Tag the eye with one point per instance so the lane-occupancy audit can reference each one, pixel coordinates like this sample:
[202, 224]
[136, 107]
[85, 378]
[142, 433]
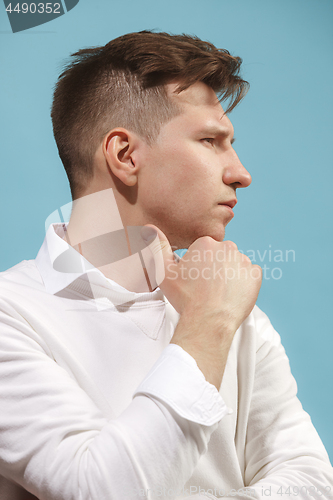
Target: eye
[209, 139]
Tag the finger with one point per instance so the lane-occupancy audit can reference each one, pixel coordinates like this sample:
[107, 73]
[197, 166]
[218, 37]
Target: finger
[160, 247]
[256, 272]
[245, 258]
[157, 241]
[230, 244]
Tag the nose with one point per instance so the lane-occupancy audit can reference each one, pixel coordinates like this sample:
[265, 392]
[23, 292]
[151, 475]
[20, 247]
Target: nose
[235, 173]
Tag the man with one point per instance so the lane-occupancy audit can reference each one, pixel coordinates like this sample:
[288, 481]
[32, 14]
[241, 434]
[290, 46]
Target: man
[127, 372]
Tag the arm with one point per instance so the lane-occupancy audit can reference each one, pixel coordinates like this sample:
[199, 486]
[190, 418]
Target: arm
[283, 449]
[56, 442]
[284, 456]
[287, 454]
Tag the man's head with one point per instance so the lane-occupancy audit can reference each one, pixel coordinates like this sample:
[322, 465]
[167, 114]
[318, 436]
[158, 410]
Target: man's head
[187, 180]
[124, 84]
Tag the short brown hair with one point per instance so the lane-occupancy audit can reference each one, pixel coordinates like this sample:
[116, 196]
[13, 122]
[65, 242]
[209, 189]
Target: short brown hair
[122, 84]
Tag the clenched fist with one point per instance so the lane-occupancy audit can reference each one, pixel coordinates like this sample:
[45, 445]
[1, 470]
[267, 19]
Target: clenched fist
[214, 288]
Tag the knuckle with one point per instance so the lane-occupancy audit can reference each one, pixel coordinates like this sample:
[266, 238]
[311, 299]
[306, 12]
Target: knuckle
[205, 241]
[245, 258]
[258, 271]
[230, 244]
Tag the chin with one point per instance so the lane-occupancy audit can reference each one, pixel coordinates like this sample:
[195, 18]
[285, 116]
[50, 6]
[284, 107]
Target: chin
[219, 238]
[215, 235]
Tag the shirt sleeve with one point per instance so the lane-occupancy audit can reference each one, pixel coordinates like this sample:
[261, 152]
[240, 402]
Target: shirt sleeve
[284, 453]
[57, 444]
[284, 456]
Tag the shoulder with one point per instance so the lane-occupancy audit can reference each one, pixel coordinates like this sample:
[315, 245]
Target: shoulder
[23, 279]
[258, 327]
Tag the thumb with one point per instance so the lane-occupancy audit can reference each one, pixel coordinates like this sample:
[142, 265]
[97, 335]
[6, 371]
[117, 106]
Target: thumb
[160, 247]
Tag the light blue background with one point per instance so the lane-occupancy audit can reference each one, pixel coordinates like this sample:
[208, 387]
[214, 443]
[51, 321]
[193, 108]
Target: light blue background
[284, 138]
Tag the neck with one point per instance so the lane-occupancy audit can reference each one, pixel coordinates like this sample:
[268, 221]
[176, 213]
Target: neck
[96, 230]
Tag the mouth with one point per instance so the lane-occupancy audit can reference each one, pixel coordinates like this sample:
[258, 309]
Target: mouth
[230, 203]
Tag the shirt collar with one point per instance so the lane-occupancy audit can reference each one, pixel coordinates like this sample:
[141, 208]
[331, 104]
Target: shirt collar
[60, 265]
[56, 259]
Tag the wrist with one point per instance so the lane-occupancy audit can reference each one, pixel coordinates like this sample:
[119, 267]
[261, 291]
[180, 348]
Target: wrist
[207, 342]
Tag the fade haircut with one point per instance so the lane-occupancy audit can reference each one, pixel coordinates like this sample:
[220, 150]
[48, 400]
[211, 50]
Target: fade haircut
[122, 84]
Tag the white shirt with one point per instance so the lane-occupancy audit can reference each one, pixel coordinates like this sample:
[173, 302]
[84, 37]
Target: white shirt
[95, 403]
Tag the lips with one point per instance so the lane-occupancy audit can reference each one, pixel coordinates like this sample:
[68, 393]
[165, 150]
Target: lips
[230, 203]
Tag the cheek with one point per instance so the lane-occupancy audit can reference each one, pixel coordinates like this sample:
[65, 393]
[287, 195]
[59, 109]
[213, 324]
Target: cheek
[186, 167]
[171, 171]
[181, 174]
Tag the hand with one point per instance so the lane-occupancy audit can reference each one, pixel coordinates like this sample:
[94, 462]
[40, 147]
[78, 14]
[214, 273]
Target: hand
[214, 288]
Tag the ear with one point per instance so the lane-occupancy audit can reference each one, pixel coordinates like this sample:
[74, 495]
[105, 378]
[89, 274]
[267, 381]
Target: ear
[119, 148]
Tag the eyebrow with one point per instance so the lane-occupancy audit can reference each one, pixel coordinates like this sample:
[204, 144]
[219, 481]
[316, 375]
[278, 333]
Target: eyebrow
[217, 131]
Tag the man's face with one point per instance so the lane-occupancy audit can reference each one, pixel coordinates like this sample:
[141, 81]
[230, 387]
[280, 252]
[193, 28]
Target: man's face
[190, 174]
